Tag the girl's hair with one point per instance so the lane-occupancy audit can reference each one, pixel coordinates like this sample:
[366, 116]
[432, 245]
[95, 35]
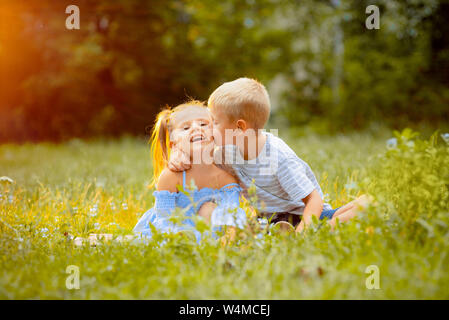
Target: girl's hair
[160, 137]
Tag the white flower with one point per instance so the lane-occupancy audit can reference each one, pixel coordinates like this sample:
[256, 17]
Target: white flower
[113, 224]
[6, 180]
[392, 143]
[445, 137]
[350, 186]
[410, 144]
[94, 210]
[100, 183]
[263, 223]
[44, 232]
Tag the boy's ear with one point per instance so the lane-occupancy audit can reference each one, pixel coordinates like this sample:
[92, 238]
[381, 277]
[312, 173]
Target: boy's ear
[242, 125]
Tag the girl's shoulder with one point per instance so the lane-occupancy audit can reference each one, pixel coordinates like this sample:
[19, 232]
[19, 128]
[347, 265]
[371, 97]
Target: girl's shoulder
[224, 178]
[168, 180]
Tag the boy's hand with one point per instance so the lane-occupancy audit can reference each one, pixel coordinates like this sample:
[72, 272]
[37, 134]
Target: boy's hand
[179, 161]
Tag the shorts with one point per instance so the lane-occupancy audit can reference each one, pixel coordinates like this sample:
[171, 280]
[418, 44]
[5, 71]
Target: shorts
[295, 219]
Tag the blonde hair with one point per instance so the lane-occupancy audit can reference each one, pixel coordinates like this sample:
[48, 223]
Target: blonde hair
[160, 137]
[243, 98]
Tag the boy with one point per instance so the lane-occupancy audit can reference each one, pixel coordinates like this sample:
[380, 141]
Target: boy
[285, 184]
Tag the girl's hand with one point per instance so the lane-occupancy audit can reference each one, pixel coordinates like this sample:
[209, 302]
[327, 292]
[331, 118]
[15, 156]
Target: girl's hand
[229, 236]
[179, 161]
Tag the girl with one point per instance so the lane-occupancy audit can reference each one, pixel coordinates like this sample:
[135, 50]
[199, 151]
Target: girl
[188, 127]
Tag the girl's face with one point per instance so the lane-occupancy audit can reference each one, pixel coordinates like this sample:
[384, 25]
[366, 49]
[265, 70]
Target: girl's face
[191, 129]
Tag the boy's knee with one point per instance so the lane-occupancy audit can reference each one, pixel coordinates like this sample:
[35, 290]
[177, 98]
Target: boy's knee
[363, 201]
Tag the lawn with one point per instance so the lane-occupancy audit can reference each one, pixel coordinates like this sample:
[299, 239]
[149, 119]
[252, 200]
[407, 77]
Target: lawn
[55, 191]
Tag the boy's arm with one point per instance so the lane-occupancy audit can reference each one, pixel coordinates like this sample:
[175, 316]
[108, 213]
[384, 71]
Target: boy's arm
[179, 161]
[293, 179]
[314, 206]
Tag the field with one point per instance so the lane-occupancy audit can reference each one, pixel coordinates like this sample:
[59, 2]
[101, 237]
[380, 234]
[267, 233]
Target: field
[101, 186]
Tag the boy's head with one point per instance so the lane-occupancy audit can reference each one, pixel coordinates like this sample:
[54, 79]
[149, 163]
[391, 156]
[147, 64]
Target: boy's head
[240, 104]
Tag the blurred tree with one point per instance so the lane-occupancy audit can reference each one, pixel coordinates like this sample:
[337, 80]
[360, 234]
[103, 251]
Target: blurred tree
[389, 74]
[131, 57]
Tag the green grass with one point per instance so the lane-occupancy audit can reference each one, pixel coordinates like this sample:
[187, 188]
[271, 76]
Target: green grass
[101, 186]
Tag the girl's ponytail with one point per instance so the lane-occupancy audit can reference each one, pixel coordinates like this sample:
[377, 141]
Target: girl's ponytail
[160, 144]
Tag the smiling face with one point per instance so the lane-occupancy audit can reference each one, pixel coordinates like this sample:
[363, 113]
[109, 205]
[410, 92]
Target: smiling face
[191, 129]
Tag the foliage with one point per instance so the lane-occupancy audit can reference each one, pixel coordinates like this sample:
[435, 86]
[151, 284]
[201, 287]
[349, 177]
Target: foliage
[346, 80]
[131, 57]
[99, 186]
[416, 184]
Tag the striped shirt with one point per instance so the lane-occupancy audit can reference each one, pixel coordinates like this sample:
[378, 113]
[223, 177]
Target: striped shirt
[281, 178]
